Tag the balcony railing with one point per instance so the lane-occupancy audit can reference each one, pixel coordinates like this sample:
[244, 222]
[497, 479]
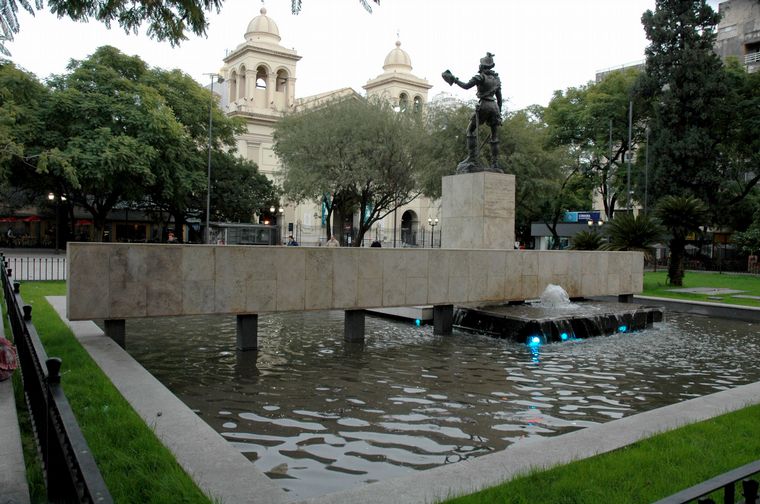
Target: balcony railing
[752, 58]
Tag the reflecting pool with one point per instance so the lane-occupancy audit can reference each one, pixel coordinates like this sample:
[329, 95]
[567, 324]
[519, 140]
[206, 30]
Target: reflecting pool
[320, 415]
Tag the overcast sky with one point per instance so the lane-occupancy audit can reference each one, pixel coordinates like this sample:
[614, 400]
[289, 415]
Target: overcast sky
[540, 45]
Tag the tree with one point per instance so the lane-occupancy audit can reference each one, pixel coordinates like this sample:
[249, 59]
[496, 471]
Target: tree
[168, 20]
[239, 190]
[351, 154]
[680, 215]
[538, 169]
[181, 173]
[570, 191]
[633, 232]
[592, 122]
[686, 85]
[586, 240]
[22, 99]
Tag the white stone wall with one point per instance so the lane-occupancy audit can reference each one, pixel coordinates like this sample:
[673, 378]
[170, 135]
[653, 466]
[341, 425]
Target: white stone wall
[117, 281]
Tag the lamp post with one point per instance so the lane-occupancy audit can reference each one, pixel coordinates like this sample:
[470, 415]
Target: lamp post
[433, 223]
[598, 223]
[277, 219]
[629, 154]
[218, 79]
[57, 200]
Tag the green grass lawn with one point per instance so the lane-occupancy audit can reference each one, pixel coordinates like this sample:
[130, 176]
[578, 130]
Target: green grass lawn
[643, 472]
[655, 284]
[136, 467]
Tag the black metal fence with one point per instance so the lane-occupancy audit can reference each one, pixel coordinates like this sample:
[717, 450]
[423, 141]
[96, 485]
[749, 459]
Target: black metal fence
[70, 471]
[726, 483]
[37, 268]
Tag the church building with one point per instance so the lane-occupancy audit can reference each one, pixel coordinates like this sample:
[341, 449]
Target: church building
[260, 86]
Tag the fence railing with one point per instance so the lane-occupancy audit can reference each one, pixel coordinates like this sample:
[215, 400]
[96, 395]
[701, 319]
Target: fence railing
[725, 482]
[71, 474]
[37, 268]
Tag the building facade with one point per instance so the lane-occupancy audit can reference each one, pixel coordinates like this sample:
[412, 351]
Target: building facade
[739, 32]
[260, 86]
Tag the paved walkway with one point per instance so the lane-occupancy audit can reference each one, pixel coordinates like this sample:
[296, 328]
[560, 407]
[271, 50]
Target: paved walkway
[13, 487]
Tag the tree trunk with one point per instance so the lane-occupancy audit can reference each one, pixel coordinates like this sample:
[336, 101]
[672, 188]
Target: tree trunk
[675, 265]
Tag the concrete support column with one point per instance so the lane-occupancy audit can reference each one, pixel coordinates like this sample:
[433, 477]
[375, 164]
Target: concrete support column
[116, 329]
[248, 332]
[625, 298]
[443, 319]
[353, 325]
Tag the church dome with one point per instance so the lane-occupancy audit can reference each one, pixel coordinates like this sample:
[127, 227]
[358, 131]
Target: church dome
[398, 60]
[262, 28]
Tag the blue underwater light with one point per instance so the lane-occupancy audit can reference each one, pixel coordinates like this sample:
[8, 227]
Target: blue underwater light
[622, 328]
[563, 336]
[534, 341]
[417, 322]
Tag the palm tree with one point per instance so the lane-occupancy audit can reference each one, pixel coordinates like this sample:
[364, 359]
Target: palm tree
[680, 215]
[586, 240]
[633, 232]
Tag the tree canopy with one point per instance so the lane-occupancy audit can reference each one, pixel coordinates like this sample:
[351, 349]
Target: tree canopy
[112, 131]
[351, 154]
[591, 121]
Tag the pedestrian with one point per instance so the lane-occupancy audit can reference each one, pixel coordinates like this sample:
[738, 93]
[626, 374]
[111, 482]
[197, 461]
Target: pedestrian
[376, 243]
[292, 242]
[332, 242]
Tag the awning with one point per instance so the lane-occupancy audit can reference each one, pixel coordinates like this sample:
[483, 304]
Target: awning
[83, 222]
[8, 219]
[31, 218]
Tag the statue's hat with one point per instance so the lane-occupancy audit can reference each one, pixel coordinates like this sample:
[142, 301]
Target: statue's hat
[487, 62]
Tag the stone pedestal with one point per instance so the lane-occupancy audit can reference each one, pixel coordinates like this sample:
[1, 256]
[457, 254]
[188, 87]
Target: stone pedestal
[478, 211]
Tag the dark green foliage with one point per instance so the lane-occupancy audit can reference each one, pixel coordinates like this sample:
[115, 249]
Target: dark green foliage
[645, 471]
[688, 90]
[680, 215]
[633, 232]
[579, 119]
[586, 240]
[135, 465]
[361, 154]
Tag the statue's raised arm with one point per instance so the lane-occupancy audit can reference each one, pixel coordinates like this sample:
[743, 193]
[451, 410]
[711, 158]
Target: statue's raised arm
[488, 111]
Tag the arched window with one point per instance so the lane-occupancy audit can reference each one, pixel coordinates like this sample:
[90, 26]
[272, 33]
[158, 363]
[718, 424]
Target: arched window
[282, 81]
[417, 103]
[403, 102]
[233, 86]
[241, 83]
[261, 78]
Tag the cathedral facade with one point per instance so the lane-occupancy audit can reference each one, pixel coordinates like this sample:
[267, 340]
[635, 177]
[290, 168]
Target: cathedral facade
[260, 86]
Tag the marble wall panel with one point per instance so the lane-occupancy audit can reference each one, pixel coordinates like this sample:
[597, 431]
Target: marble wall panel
[347, 265]
[394, 279]
[290, 263]
[105, 279]
[197, 262]
[319, 278]
[88, 285]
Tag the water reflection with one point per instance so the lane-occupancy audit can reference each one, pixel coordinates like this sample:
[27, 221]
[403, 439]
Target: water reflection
[320, 415]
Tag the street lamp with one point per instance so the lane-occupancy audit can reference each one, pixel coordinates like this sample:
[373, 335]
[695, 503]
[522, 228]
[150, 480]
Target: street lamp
[218, 79]
[433, 223]
[599, 224]
[277, 219]
[52, 197]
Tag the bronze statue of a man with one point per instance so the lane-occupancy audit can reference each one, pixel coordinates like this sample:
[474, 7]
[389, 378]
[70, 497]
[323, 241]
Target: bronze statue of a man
[487, 111]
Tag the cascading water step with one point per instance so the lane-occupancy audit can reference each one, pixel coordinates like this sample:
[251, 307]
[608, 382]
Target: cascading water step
[555, 319]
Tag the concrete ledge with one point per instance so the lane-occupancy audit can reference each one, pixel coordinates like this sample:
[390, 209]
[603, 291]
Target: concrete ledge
[219, 469]
[123, 280]
[476, 474]
[721, 310]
